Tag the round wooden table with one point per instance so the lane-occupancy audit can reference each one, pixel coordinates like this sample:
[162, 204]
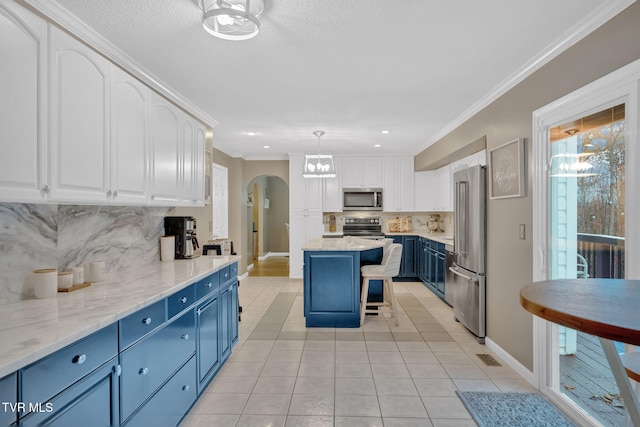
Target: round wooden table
[606, 308]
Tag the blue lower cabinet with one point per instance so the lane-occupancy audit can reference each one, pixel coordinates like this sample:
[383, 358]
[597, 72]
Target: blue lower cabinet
[148, 363]
[91, 401]
[224, 325]
[9, 395]
[170, 404]
[235, 304]
[141, 323]
[49, 376]
[181, 300]
[208, 352]
[332, 289]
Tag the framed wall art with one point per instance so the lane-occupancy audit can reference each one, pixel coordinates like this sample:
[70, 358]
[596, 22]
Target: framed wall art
[506, 170]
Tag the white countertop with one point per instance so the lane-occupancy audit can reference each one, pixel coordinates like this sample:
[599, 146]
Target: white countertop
[438, 237]
[344, 244]
[33, 328]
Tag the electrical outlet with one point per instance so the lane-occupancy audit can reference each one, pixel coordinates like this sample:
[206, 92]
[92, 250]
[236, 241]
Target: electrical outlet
[522, 232]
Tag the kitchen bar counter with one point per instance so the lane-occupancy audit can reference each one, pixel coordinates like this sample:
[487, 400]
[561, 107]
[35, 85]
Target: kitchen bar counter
[344, 244]
[33, 328]
[438, 237]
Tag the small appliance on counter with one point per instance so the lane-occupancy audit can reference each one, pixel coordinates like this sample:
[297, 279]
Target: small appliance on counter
[218, 247]
[184, 228]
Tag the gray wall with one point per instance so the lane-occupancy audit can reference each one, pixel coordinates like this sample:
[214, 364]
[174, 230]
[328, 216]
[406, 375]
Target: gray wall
[277, 214]
[509, 260]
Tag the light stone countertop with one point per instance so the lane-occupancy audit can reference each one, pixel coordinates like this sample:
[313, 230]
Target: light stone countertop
[33, 328]
[344, 244]
[438, 237]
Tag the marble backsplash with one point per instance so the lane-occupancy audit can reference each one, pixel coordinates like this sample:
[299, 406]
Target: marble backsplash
[36, 236]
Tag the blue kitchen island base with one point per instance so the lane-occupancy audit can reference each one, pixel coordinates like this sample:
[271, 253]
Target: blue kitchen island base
[332, 286]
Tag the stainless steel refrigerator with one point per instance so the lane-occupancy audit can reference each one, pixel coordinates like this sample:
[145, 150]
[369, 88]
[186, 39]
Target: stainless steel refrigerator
[469, 267]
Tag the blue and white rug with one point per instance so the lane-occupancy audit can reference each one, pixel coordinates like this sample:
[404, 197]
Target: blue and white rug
[493, 409]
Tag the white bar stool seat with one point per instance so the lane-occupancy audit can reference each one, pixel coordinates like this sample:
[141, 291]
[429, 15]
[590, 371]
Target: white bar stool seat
[386, 271]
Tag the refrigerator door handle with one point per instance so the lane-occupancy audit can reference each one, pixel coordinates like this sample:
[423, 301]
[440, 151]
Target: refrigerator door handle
[462, 218]
[457, 273]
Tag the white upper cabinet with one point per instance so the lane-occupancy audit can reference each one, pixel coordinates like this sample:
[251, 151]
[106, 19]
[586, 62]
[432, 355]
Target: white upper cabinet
[362, 172]
[305, 194]
[433, 190]
[130, 160]
[165, 151]
[79, 106]
[192, 161]
[220, 202]
[199, 167]
[332, 189]
[23, 113]
[398, 186]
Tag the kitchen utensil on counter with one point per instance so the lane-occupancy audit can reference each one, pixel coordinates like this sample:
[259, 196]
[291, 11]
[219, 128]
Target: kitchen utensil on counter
[332, 223]
[78, 275]
[65, 280]
[167, 248]
[45, 283]
[97, 271]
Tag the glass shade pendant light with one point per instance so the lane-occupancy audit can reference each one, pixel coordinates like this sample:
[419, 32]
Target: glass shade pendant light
[232, 19]
[319, 165]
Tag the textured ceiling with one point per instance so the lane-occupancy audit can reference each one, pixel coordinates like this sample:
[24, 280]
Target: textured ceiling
[349, 67]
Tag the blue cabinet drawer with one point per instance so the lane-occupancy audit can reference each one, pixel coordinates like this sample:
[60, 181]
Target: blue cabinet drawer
[171, 402]
[181, 300]
[207, 285]
[49, 376]
[233, 270]
[149, 363]
[8, 394]
[140, 323]
[225, 274]
[91, 401]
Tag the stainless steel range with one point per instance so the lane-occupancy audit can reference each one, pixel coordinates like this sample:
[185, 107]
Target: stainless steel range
[365, 227]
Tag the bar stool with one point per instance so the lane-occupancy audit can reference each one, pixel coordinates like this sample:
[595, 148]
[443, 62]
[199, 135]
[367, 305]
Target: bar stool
[631, 363]
[386, 271]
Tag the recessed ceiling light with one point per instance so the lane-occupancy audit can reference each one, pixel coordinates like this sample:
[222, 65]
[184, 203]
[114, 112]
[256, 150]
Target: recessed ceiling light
[267, 146]
[386, 131]
[377, 145]
[251, 133]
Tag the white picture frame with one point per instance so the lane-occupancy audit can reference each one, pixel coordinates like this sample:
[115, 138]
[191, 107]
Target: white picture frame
[506, 166]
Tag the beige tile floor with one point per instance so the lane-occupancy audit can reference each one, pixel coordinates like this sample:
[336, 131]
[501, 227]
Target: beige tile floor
[284, 374]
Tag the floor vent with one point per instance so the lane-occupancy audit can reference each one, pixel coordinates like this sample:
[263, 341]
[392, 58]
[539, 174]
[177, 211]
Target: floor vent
[488, 359]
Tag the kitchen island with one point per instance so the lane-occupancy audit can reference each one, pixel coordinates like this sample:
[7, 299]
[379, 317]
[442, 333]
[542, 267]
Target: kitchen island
[332, 280]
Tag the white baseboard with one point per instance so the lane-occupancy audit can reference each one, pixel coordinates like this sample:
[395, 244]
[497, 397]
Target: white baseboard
[244, 276]
[250, 267]
[270, 254]
[512, 362]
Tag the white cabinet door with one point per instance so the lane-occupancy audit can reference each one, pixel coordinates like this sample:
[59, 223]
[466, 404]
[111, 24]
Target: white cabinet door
[303, 227]
[362, 172]
[23, 113]
[372, 172]
[424, 195]
[305, 194]
[444, 189]
[332, 189]
[165, 149]
[198, 165]
[390, 193]
[129, 139]
[220, 202]
[187, 193]
[398, 185]
[79, 105]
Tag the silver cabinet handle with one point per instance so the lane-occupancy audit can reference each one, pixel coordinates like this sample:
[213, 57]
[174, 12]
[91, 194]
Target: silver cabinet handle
[153, 197]
[209, 285]
[109, 194]
[146, 320]
[183, 300]
[185, 337]
[143, 371]
[185, 388]
[115, 194]
[80, 359]
[45, 189]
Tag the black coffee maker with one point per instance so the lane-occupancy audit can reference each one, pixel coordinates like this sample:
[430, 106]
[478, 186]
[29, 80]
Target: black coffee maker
[184, 228]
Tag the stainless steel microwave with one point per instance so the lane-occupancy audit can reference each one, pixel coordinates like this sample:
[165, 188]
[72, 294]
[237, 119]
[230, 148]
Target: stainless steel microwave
[362, 199]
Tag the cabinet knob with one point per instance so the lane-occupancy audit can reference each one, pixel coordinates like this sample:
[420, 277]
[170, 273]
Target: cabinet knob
[209, 285]
[45, 189]
[79, 359]
[146, 320]
[115, 194]
[153, 197]
[143, 371]
[185, 388]
[183, 300]
[109, 194]
[185, 337]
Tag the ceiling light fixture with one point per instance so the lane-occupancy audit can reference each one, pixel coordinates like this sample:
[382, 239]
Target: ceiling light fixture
[385, 132]
[232, 19]
[318, 165]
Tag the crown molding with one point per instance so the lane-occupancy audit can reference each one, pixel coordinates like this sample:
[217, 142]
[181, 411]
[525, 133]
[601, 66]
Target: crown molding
[61, 17]
[577, 32]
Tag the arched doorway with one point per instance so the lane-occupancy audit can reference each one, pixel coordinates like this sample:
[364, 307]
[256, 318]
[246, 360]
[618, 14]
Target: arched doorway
[267, 216]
